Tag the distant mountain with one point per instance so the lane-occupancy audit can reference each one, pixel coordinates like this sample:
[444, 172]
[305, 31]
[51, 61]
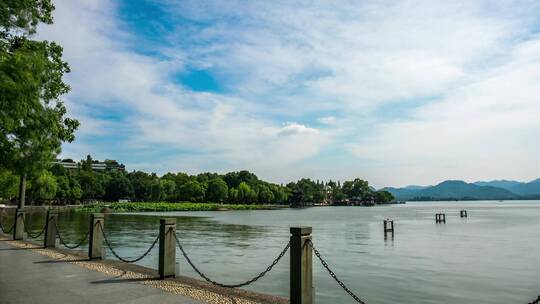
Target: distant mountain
[415, 187]
[402, 194]
[453, 190]
[530, 189]
[504, 184]
[525, 190]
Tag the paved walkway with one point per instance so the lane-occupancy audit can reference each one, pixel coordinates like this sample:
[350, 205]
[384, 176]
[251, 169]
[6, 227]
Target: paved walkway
[28, 277]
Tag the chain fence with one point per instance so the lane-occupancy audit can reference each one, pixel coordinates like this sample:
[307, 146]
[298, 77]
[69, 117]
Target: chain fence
[535, 301]
[257, 277]
[33, 236]
[66, 244]
[333, 275]
[126, 260]
[4, 229]
[190, 262]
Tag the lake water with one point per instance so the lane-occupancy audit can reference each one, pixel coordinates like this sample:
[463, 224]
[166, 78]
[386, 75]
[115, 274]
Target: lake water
[493, 256]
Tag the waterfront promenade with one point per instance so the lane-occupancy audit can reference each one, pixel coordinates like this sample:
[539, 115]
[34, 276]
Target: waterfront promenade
[30, 277]
[30, 273]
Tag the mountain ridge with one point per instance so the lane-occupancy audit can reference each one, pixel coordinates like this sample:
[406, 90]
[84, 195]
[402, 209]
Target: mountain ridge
[460, 190]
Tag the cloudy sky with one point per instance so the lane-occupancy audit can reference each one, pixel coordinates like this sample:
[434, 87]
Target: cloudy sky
[396, 92]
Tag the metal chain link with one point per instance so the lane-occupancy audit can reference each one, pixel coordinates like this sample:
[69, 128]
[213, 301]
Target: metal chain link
[257, 277]
[333, 275]
[63, 242]
[7, 231]
[34, 236]
[125, 260]
[535, 301]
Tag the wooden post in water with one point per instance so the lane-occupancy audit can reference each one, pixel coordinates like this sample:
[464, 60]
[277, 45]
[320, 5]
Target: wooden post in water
[95, 243]
[167, 248]
[463, 213]
[388, 227]
[440, 218]
[301, 272]
[18, 230]
[50, 229]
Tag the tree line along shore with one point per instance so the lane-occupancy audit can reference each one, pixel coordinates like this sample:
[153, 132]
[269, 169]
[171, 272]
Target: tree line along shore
[240, 190]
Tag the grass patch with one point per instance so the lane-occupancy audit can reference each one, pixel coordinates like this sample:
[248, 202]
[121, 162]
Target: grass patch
[164, 206]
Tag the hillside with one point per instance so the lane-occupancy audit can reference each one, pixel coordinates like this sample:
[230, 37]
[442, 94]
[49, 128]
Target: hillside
[453, 190]
[530, 189]
[504, 184]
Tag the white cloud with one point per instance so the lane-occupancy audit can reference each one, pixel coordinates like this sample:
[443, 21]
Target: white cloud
[488, 128]
[327, 120]
[293, 128]
[476, 63]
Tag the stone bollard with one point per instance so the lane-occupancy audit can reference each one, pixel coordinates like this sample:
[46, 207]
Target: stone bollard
[95, 243]
[463, 213]
[388, 227]
[440, 218]
[18, 230]
[50, 229]
[301, 273]
[167, 248]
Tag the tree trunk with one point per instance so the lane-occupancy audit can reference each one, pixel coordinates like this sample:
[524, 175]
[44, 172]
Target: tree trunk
[22, 191]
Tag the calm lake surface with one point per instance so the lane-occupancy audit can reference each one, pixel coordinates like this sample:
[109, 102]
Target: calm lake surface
[491, 257]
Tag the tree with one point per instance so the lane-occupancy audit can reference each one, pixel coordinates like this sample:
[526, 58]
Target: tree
[91, 184]
[233, 195]
[265, 195]
[141, 182]
[25, 15]
[191, 191]
[280, 195]
[76, 191]
[233, 179]
[86, 165]
[356, 189]
[32, 118]
[217, 191]
[63, 191]
[383, 196]
[118, 187]
[169, 189]
[156, 191]
[45, 186]
[244, 193]
[8, 184]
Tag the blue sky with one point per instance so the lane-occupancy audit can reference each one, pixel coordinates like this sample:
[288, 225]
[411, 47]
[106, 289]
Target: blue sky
[397, 92]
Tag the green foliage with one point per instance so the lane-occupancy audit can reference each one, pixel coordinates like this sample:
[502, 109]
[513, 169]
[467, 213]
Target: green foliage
[162, 206]
[141, 183]
[118, 187]
[8, 184]
[45, 187]
[265, 195]
[156, 191]
[356, 189]
[191, 191]
[24, 15]
[33, 121]
[217, 191]
[168, 189]
[139, 186]
[246, 194]
[383, 196]
[92, 185]
[31, 116]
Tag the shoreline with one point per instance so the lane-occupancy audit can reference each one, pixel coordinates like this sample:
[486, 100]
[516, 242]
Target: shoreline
[164, 207]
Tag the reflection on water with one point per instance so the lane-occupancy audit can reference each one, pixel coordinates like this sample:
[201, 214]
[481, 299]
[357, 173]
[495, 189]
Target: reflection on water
[490, 257]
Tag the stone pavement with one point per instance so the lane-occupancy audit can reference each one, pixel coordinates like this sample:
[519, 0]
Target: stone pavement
[29, 277]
